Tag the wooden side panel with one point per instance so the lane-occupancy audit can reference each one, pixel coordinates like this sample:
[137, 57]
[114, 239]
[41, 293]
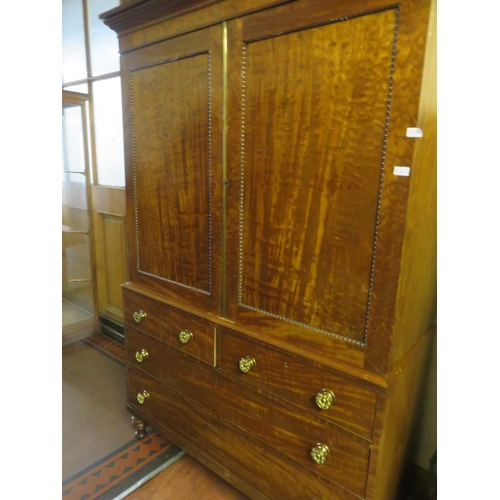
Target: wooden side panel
[417, 294]
[403, 397]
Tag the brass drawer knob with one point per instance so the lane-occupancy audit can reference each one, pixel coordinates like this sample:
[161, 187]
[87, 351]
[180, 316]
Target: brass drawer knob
[325, 398]
[141, 356]
[185, 336]
[247, 363]
[320, 453]
[141, 397]
[139, 316]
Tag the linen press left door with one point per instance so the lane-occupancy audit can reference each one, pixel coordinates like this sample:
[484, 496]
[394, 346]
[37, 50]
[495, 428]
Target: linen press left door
[173, 134]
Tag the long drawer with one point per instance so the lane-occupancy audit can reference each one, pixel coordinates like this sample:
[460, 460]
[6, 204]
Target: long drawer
[350, 405]
[194, 336]
[225, 444]
[290, 432]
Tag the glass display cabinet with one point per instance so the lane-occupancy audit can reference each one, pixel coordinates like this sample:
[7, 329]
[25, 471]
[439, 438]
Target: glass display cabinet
[78, 295]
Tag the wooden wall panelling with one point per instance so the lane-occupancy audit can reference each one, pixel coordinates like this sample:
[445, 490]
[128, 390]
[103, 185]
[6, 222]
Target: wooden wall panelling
[110, 249]
[115, 256]
[173, 127]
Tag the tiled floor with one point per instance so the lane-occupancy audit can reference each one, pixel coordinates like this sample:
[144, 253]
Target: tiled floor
[95, 421]
[96, 425]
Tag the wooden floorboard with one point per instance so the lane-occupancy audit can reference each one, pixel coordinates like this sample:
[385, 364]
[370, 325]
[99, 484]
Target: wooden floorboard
[186, 479]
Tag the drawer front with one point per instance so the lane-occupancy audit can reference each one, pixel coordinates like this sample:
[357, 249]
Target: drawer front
[196, 380]
[292, 434]
[143, 314]
[185, 332]
[351, 406]
[190, 335]
[226, 445]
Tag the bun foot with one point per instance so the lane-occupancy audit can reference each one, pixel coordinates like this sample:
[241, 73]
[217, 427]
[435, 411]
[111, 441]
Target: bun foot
[140, 428]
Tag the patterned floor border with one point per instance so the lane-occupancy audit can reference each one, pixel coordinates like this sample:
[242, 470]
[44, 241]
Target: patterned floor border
[124, 470]
[108, 346]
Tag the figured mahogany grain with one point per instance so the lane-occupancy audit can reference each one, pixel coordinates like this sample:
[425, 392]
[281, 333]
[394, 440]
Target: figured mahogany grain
[227, 445]
[315, 91]
[171, 110]
[202, 344]
[133, 303]
[252, 333]
[292, 434]
[172, 125]
[313, 132]
[298, 383]
[165, 324]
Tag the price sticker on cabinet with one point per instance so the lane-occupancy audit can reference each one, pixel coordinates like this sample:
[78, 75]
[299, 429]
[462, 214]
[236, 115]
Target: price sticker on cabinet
[402, 171]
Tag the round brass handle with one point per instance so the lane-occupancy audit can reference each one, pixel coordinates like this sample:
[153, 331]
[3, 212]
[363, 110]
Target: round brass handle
[141, 397]
[141, 356]
[247, 363]
[185, 336]
[325, 398]
[139, 316]
[320, 453]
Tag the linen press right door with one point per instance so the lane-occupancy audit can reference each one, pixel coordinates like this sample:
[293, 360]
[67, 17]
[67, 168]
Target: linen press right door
[319, 99]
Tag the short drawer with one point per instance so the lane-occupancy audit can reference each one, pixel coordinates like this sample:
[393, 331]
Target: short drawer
[189, 334]
[343, 402]
[168, 366]
[225, 444]
[142, 313]
[194, 336]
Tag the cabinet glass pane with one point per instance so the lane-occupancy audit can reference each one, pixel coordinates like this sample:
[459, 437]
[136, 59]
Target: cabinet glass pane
[73, 152]
[77, 289]
[104, 56]
[109, 132]
[74, 65]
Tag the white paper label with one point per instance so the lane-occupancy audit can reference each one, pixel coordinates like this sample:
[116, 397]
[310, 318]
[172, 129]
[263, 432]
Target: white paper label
[414, 132]
[404, 171]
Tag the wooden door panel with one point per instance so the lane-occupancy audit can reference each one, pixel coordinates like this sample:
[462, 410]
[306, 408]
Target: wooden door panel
[171, 109]
[315, 213]
[313, 131]
[172, 166]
